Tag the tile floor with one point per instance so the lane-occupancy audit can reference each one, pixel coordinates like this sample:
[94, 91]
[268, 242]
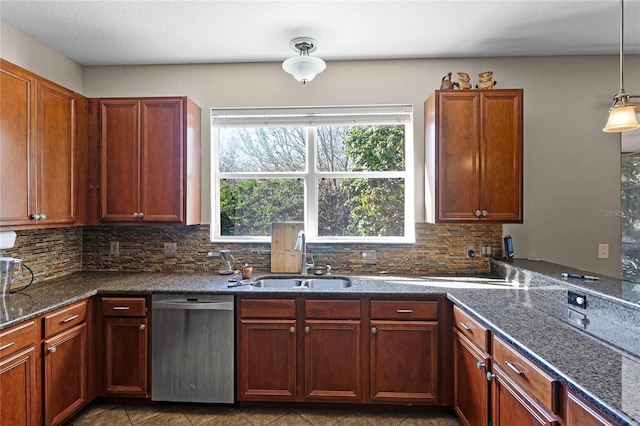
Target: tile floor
[99, 414]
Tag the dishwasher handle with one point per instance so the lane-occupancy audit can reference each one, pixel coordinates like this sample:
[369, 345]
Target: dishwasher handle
[191, 305]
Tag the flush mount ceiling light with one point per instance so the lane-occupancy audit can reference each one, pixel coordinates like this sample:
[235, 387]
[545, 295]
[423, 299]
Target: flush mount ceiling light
[303, 67]
[622, 115]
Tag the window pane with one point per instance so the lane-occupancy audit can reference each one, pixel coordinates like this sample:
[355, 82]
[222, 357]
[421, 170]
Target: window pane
[263, 149]
[248, 206]
[363, 207]
[374, 148]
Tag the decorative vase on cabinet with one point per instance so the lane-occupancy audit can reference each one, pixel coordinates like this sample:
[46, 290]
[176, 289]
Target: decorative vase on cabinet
[474, 156]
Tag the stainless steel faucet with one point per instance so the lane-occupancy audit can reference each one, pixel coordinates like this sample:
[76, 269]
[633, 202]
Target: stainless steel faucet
[301, 245]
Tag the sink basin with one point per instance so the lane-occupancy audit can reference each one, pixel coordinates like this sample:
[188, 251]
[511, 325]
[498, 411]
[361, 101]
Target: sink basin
[303, 282]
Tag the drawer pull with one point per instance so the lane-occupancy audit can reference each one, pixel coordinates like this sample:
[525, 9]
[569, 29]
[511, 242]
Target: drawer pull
[465, 326]
[120, 308]
[514, 368]
[404, 311]
[3, 347]
[71, 318]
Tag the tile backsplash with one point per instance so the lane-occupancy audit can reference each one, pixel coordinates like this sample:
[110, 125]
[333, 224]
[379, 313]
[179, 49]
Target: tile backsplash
[51, 253]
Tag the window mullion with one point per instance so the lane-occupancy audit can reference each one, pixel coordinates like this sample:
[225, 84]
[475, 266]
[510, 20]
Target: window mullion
[311, 187]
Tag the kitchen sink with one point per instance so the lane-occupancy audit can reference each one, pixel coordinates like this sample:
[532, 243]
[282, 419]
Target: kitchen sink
[318, 283]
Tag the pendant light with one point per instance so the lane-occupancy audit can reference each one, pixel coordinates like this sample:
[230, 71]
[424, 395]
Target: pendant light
[303, 67]
[622, 115]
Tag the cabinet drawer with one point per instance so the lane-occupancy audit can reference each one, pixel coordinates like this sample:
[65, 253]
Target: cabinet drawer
[329, 309]
[524, 373]
[65, 318]
[404, 309]
[17, 337]
[268, 308]
[124, 306]
[472, 329]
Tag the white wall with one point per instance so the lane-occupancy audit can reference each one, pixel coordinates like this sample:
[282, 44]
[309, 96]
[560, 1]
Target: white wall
[572, 168]
[27, 52]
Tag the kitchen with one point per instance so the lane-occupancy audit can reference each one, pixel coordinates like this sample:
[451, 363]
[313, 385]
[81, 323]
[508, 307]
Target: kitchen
[565, 197]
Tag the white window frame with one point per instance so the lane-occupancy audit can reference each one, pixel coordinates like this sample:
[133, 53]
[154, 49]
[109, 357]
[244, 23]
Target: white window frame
[311, 117]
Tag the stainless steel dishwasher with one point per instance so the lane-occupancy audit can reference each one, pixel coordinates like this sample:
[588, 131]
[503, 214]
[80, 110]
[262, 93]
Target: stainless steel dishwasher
[192, 348]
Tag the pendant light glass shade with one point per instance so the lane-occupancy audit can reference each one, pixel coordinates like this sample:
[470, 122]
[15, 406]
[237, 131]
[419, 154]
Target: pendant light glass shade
[622, 119]
[304, 68]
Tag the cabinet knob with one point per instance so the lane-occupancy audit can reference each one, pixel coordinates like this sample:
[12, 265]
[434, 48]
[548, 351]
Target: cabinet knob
[307, 329]
[491, 376]
[35, 216]
[135, 215]
[292, 330]
[140, 215]
[478, 213]
[484, 212]
[52, 349]
[480, 365]
[374, 330]
[142, 327]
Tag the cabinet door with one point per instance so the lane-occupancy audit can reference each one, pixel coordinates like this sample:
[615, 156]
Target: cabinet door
[471, 388]
[512, 407]
[582, 413]
[119, 169]
[403, 361]
[333, 360]
[126, 349]
[161, 160]
[501, 156]
[18, 389]
[55, 146]
[457, 153]
[267, 364]
[65, 374]
[16, 146]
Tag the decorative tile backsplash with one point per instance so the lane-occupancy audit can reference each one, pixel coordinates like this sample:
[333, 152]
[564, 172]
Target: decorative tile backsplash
[51, 253]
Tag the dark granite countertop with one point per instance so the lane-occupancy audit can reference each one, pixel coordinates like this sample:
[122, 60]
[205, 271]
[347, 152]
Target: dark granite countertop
[526, 315]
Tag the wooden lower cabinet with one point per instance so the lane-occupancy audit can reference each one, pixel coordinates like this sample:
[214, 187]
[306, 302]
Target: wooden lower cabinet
[18, 391]
[582, 413]
[65, 374]
[267, 360]
[403, 361]
[471, 387]
[512, 405]
[125, 346]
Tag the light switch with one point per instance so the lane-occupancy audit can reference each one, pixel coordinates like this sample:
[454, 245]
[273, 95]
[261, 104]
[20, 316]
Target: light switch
[603, 251]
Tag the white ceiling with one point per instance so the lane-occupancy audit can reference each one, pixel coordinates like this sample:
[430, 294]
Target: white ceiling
[112, 32]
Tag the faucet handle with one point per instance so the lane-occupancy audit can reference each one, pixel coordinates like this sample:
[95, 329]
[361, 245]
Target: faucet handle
[313, 263]
[328, 269]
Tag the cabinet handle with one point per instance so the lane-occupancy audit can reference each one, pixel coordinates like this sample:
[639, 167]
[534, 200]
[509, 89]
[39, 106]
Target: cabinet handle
[3, 347]
[404, 311]
[135, 215]
[465, 326]
[142, 327]
[374, 330]
[71, 318]
[480, 365]
[52, 349]
[514, 368]
[484, 212]
[307, 329]
[491, 377]
[292, 330]
[120, 308]
[478, 213]
[140, 215]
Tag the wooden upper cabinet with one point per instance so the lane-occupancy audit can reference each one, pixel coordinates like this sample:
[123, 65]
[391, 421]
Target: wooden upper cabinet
[38, 147]
[150, 160]
[474, 156]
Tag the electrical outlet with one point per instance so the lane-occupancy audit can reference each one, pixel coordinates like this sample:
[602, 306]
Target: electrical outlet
[603, 251]
[368, 254]
[114, 250]
[213, 254]
[170, 249]
[471, 250]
